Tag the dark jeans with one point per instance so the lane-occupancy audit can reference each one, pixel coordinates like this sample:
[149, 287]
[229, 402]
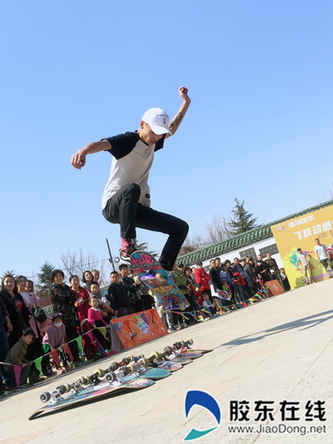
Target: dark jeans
[239, 294]
[123, 208]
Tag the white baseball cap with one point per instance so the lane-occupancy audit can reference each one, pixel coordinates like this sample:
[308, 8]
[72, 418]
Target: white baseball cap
[158, 120]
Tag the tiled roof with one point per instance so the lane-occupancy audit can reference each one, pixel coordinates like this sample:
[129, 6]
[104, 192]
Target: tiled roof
[242, 240]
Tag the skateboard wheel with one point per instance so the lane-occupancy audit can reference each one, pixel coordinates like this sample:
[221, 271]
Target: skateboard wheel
[100, 373]
[114, 366]
[46, 396]
[85, 380]
[110, 377]
[142, 361]
[125, 370]
[151, 358]
[93, 379]
[62, 389]
[131, 367]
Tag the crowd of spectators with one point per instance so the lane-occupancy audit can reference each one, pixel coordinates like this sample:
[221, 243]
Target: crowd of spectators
[82, 308]
[223, 287]
[244, 278]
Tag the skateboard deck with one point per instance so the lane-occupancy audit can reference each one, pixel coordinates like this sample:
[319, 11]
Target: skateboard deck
[157, 279]
[92, 394]
[189, 354]
[202, 351]
[171, 366]
[130, 374]
[156, 373]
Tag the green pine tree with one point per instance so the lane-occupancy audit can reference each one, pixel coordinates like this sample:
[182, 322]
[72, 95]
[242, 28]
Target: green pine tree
[243, 220]
[44, 279]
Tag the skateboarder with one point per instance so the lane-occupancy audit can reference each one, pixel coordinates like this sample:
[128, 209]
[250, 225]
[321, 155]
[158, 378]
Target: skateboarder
[126, 199]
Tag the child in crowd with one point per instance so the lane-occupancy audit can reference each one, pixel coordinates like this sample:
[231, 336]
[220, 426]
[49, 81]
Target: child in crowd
[94, 290]
[92, 349]
[54, 338]
[30, 299]
[103, 303]
[35, 313]
[95, 318]
[17, 355]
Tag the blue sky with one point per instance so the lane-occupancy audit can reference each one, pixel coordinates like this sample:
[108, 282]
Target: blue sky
[259, 128]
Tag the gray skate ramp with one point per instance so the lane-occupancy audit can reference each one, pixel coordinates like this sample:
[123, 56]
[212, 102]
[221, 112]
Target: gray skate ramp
[278, 351]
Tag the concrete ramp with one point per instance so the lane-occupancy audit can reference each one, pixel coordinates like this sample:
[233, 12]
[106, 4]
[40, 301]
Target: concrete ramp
[271, 374]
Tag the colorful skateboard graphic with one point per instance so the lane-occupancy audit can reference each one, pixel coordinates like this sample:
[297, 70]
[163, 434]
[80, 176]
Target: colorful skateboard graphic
[130, 374]
[157, 279]
[92, 394]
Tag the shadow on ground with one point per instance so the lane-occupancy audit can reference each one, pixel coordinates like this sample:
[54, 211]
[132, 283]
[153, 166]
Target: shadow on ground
[303, 324]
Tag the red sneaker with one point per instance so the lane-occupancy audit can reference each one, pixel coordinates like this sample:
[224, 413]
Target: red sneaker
[128, 248]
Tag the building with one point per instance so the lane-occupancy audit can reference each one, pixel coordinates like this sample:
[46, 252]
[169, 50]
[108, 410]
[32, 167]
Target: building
[260, 240]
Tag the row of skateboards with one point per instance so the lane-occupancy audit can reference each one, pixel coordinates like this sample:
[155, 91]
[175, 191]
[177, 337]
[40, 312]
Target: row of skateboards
[130, 374]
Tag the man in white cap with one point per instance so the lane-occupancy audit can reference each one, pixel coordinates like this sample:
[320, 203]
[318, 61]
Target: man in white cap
[126, 199]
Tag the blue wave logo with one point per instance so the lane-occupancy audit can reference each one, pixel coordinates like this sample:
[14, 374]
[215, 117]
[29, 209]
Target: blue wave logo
[196, 397]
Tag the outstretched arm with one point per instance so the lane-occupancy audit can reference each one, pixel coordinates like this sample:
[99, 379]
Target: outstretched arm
[176, 121]
[78, 159]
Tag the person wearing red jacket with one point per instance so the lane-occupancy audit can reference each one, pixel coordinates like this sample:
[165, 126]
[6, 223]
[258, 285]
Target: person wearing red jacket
[82, 298]
[202, 279]
[239, 284]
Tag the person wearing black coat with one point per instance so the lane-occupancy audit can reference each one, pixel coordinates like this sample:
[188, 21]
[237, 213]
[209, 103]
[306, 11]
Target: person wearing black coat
[263, 269]
[15, 307]
[128, 283]
[250, 275]
[214, 274]
[63, 300]
[117, 296]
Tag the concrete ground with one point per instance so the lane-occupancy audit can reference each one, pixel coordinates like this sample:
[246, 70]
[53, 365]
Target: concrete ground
[277, 350]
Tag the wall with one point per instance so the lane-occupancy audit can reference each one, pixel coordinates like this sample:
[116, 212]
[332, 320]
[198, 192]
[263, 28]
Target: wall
[257, 246]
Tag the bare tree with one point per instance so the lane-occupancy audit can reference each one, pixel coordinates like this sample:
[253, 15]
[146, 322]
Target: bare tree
[192, 245]
[218, 230]
[78, 263]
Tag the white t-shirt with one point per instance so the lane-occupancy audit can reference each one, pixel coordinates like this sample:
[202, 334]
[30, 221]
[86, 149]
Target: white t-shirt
[302, 259]
[321, 251]
[131, 163]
